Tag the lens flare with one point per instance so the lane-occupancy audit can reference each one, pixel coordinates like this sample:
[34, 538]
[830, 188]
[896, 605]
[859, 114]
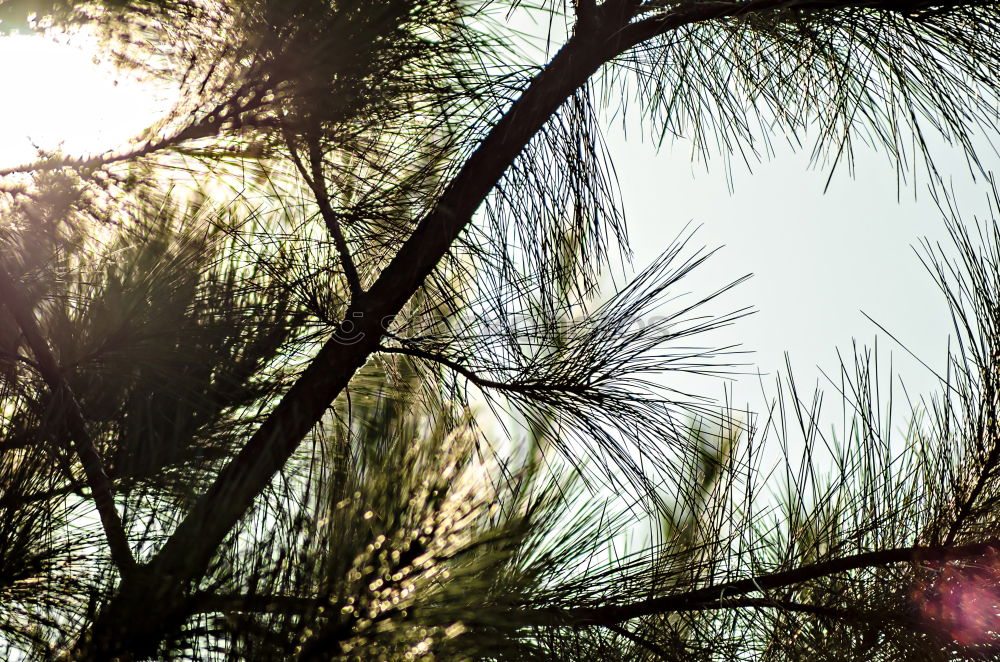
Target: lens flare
[962, 599]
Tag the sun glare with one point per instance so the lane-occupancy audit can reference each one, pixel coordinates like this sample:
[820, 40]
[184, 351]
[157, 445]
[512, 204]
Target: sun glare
[61, 97]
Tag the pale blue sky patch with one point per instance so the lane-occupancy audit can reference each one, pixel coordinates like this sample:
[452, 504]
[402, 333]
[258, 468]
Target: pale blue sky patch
[820, 260]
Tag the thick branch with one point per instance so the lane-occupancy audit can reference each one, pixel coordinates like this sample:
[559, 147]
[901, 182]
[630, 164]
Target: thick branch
[93, 468]
[639, 640]
[723, 596]
[189, 550]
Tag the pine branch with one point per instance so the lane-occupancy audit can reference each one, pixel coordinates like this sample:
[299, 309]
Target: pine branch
[122, 626]
[520, 387]
[20, 500]
[314, 179]
[784, 605]
[186, 554]
[221, 117]
[197, 131]
[585, 9]
[721, 596]
[100, 486]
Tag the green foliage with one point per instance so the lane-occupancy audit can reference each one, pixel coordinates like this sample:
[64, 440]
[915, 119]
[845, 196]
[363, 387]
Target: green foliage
[271, 388]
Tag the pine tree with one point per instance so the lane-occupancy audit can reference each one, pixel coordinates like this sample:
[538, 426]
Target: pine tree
[321, 366]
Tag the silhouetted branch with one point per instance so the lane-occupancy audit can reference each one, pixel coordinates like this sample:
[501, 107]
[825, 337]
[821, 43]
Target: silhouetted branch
[100, 486]
[723, 596]
[316, 182]
[520, 387]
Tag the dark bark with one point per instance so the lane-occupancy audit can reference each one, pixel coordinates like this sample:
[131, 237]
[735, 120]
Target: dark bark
[123, 628]
[93, 467]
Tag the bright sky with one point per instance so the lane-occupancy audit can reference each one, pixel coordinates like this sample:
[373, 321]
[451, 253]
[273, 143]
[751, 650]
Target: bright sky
[57, 96]
[819, 261]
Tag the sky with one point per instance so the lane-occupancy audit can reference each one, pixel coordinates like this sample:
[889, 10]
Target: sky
[819, 258]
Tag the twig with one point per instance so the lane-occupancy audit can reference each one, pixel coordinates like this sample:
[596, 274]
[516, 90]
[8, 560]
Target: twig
[314, 179]
[639, 640]
[521, 387]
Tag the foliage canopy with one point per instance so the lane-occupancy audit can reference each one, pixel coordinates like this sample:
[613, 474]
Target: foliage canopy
[318, 366]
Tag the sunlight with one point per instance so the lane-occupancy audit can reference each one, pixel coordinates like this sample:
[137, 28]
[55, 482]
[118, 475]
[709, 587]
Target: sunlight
[61, 97]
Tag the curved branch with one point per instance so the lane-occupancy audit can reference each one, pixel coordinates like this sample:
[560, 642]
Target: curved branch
[121, 626]
[93, 467]
[474, 377]
[221, 116]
